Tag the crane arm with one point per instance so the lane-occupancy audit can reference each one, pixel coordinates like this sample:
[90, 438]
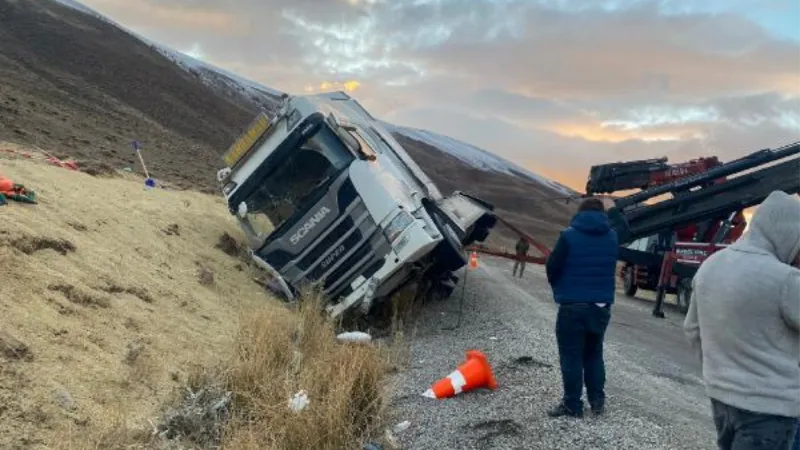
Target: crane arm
[699, 201]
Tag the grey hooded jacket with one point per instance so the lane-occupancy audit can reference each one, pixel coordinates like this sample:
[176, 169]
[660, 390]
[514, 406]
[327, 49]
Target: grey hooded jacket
[744, 315]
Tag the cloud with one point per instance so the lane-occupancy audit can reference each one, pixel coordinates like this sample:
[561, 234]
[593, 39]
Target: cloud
[556, 85]
[180, 15]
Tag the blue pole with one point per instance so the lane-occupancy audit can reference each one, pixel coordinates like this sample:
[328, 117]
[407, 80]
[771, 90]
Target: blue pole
[149, 182]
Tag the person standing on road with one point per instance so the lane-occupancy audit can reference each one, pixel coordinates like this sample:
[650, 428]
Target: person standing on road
[522, 251]
[743, 322]
[581, 271]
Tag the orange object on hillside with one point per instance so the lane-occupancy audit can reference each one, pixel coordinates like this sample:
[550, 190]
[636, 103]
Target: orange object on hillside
[14, 191]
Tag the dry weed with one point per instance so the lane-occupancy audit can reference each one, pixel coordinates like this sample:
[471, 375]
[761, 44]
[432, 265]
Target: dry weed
[32, 244]
[277, 353]
[279, 356]
[79, 297]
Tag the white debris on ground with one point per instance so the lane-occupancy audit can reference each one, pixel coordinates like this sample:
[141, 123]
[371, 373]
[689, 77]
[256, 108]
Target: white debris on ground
[654, 397]
[354, 336]
[299, 401]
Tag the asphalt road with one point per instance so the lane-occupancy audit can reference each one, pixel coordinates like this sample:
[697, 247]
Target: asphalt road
[655, 394]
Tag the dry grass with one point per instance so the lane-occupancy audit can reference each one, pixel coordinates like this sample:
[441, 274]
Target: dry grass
[243, 402]
[279, 355]
[114, 321]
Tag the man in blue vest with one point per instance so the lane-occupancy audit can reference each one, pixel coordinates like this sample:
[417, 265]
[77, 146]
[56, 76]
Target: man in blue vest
[581, 270]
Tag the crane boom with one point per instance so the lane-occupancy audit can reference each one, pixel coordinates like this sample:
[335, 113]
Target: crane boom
[633, 219]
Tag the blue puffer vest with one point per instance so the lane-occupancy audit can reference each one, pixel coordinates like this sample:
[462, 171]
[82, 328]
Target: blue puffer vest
[588, 274]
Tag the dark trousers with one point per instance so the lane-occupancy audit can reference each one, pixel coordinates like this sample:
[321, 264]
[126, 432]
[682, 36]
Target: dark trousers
[580, 329]
[519, 265]
[738, 429]
[796, 445]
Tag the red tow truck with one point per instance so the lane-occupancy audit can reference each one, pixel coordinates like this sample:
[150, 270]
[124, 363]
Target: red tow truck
[681, 215]
[689, 245]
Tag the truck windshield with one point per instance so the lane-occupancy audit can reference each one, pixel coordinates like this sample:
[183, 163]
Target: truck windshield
[291, 183]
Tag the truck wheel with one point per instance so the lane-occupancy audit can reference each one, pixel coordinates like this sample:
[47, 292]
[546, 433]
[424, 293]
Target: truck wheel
[449, 257]
[684, 295]
[443, 287]
[629, 281]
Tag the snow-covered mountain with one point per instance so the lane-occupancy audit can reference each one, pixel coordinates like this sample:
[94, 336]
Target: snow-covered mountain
[235, 85]
[475, 156]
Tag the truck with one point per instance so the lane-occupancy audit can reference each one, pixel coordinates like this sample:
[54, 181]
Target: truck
[669, 228]
[693, 242]
[327, 198]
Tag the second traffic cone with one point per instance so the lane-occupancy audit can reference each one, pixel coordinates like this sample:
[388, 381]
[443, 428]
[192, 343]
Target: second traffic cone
[473, 260]
[474, 373]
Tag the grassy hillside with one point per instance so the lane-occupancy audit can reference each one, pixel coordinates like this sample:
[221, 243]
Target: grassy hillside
[79, 86]
[113, 297]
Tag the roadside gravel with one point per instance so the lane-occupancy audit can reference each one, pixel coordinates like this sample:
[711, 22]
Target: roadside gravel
[655, 395]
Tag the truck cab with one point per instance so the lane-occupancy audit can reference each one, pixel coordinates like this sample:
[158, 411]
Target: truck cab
[327, 197]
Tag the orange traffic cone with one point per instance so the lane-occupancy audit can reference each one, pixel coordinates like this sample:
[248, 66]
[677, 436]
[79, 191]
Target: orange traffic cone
[473, 260]
[474, 373]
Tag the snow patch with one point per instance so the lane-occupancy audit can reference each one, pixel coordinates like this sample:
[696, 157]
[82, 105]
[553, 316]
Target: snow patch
[476, 157]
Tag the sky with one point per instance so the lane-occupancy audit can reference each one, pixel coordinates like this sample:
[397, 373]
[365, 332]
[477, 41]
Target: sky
[553, 85]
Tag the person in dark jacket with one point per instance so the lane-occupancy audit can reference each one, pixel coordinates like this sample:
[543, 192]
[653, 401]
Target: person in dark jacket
[521, 251]
[581, 271]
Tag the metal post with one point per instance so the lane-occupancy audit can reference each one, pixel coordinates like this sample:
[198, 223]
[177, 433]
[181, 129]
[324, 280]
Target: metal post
[661, 290]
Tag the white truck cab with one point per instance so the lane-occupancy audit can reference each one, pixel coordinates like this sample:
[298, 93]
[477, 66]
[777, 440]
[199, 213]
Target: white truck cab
[327, 196]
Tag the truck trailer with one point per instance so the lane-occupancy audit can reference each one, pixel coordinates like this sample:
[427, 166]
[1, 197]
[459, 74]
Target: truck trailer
[328, 198]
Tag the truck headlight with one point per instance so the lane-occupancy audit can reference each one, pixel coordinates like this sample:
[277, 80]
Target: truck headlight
[396, 227]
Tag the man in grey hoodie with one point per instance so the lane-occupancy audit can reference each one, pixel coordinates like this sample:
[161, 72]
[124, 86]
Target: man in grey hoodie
[743, 321]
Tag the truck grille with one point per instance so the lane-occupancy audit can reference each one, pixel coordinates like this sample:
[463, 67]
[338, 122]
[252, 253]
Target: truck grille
[351, 247]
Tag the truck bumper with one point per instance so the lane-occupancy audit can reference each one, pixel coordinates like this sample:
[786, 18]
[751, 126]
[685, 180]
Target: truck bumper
[412, 245]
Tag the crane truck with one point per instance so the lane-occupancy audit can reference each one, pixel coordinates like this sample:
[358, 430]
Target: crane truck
[328, 198]
[682, 216]
[696, 241]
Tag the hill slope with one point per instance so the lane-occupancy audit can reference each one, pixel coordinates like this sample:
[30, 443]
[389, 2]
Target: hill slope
[77, 84]
[101, 285]
[127, 309]
[81, 87]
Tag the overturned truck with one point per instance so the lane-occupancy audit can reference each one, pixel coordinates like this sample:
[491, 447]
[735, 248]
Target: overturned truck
[327, 197]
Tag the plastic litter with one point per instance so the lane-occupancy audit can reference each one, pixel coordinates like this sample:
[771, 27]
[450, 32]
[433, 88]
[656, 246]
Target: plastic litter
[390, 439]
[402, 426]
[354, 336]
[299, 401]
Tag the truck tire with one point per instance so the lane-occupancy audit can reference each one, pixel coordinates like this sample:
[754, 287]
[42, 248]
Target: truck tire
[629, 281]
[449, 255]
[684, 294]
